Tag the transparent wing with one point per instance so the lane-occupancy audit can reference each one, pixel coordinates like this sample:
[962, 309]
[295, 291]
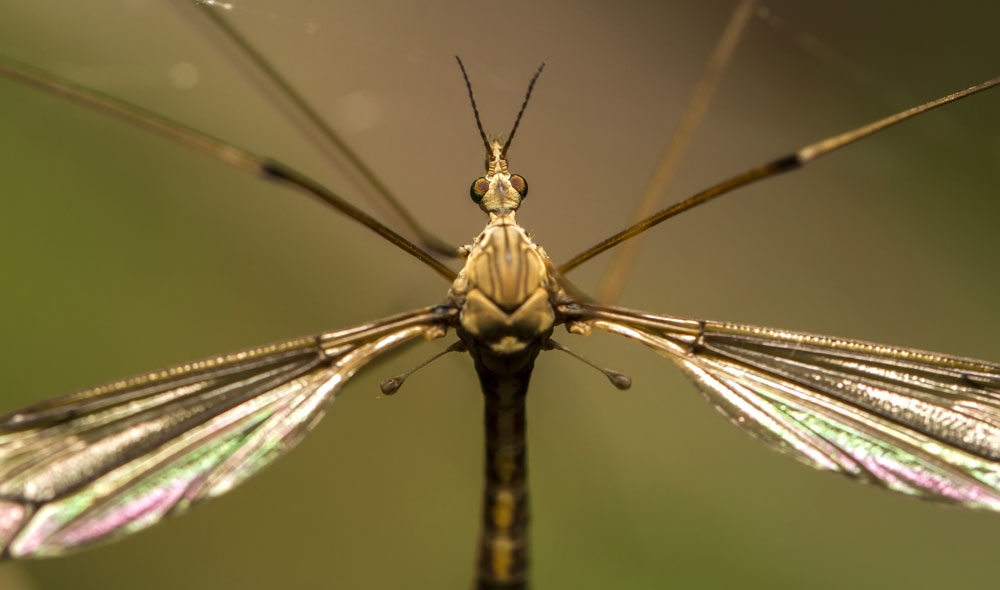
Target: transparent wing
[915, 422]
[104, 462]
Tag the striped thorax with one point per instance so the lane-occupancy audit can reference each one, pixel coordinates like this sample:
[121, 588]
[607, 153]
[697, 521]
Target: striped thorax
[505, 291]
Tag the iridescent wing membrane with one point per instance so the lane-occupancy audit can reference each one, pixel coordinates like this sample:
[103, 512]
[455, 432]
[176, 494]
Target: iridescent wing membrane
[915, 422]
[104, 462]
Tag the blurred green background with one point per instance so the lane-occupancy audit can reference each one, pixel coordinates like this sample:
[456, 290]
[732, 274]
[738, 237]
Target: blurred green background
[122, 253]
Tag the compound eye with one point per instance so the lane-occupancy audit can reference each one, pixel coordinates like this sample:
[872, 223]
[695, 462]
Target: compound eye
[478, 189]
[519, 184]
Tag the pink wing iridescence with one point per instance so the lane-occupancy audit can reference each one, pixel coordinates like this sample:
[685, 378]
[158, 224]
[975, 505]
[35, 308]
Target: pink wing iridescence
[915, 422]
[105, 462]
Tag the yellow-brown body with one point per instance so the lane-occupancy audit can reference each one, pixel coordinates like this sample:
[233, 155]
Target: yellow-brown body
[505, 293]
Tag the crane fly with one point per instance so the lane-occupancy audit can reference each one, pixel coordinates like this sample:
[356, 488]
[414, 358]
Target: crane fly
[110, 460]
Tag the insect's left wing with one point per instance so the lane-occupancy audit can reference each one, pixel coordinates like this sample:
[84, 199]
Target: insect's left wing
[915, 422]
[108, 461]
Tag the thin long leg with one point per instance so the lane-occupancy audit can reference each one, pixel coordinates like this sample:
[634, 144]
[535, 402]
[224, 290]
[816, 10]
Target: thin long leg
[210, 146]
[613, 281]
[786, 163]
[306, 120]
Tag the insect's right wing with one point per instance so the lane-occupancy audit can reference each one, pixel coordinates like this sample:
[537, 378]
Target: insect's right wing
[108, 461]
[915, 422]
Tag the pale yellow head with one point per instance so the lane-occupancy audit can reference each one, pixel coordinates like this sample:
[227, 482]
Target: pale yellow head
[499, 193]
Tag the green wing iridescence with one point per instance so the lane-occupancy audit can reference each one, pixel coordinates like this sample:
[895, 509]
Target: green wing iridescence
[915, 422]
[108, 461]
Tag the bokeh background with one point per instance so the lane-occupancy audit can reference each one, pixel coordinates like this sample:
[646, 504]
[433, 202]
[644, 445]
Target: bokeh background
[123, 253]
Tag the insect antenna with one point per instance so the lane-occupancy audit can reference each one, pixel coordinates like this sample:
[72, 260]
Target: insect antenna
[479, 123]
[517, 121]
[475, 111]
